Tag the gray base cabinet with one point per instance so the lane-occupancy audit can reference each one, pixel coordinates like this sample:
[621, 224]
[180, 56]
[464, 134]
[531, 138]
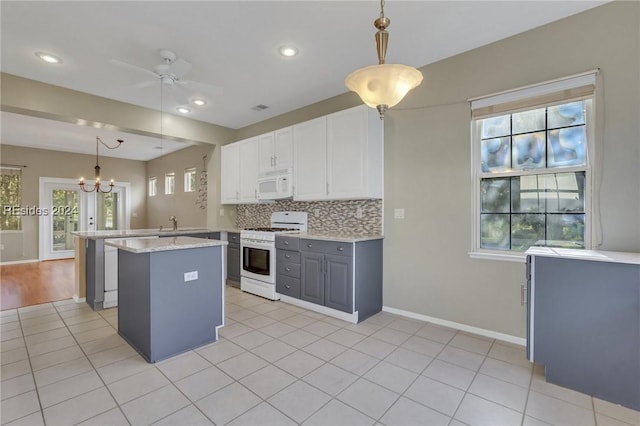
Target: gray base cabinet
[288, 266]
[325, 273]
[233, 258]
[584, 326]
[160, 314]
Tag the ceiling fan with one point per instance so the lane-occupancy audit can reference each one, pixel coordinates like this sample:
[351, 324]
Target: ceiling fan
[171, 73]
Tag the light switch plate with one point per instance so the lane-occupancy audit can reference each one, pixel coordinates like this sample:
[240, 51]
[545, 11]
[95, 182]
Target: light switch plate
[190, 276]
[398, 213]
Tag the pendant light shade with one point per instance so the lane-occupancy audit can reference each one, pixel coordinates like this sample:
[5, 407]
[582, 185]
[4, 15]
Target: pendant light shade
[384, 85]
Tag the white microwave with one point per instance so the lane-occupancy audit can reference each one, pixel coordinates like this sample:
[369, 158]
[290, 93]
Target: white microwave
[275, 185]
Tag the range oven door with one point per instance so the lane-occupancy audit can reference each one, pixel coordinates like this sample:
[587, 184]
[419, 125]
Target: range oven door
[258, 260]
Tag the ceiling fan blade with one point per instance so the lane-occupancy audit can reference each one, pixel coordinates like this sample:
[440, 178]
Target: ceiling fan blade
[144, 84]
[203, 87]
[179, 96]
[133, 67]
[180, 67]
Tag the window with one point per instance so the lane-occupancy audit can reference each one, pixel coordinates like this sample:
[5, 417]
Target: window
[11, 195]
[153, 186]
[531, 158]
[169, 183]
[190, 180]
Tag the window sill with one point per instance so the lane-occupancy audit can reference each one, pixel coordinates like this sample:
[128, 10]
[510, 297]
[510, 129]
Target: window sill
[511, 257]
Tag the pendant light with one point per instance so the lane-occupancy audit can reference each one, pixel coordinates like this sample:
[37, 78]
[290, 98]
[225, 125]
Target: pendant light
[97, 187]
[384, 85]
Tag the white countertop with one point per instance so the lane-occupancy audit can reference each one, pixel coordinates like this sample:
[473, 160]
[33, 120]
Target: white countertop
[580, 254]
[126, 233]
[345, 238]
[148, 245]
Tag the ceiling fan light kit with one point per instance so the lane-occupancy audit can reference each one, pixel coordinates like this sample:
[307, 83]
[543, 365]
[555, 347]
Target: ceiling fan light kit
[384, 85]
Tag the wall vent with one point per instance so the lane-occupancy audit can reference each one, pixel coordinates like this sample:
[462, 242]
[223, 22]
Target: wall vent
[259, 107]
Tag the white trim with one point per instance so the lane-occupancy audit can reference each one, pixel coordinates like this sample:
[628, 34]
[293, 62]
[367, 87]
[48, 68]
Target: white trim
[507, 256]
[532, 305]
[16, 262]
[78, 299]
[353, 318]
[534, 90]
[470, 329]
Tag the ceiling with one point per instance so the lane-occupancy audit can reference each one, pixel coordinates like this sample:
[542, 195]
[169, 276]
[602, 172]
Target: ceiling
[233, 45]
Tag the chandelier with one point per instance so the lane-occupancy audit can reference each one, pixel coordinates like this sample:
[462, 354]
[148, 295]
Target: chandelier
[384, 85]
[97, 185]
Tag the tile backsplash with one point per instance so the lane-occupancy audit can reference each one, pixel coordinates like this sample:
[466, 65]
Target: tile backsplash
[335, 217]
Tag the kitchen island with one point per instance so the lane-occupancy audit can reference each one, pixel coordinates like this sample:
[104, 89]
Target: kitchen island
[96, 268]
[171, 293]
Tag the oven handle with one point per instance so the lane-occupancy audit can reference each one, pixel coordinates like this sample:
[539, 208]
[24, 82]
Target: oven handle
[256, 244]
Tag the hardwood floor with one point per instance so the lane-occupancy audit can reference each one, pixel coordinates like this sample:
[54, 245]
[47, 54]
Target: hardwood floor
[34, 283]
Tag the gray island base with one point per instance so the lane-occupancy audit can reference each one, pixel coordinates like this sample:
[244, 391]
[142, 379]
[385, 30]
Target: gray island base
[171, 294]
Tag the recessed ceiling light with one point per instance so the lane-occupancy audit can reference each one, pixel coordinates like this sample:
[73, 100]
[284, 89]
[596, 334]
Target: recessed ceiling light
[288, 51]
[199, 102]
[49, 58]
[183, 110]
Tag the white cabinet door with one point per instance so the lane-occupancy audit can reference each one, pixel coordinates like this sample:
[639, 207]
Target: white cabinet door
[346, 153]
[354, 154]
[310, 160]
[283, 149]
[249, 170]
[230, 174]
[266, 149]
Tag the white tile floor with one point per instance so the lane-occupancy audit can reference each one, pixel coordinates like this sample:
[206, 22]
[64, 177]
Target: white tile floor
[276, 364]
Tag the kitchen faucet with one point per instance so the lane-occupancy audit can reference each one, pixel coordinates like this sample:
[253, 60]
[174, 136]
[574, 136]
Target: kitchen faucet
[175, 222]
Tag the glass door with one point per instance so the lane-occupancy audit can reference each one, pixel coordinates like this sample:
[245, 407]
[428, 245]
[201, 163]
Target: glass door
[62, 210]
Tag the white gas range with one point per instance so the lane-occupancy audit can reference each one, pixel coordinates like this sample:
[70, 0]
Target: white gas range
[258, 252]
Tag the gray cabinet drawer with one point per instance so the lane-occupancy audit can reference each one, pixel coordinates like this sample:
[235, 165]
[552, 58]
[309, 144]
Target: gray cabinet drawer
[233, 237]
[288, 269]
[287, 243]
[327, 247]
[287, 256]
[288, 286]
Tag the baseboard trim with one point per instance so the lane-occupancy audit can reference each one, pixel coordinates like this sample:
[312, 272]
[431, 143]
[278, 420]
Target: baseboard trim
[16, 262]
[79, 299]
[464, 327]
[353, 318]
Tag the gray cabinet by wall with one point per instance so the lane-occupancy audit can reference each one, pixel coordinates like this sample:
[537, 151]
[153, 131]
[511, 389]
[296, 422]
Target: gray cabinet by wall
[233, 259]
[327, 274]
[584, 321]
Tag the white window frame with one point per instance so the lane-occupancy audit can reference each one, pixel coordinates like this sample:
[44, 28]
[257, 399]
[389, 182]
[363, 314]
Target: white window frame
[187, 180]
[169, 183]
[477, 174]
[153, 186]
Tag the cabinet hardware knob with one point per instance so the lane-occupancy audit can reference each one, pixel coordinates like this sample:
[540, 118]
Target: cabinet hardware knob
[309, 245]
[286, 256]
[287, 269]
[287, 286]
[340, 248]
[286, 243]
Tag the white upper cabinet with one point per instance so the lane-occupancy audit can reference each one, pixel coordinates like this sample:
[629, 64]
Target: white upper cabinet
[249, 170]
[310, 160]
[239, 172]
[354, 154]
[230, 174]
[276, 150]
[339, 156]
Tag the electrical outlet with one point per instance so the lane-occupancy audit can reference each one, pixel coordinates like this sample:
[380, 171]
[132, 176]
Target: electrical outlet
[134, 214]
[1, 246]
[316, 212]
[398, 213]
[359, 212]
[221, 212]
[190, 276]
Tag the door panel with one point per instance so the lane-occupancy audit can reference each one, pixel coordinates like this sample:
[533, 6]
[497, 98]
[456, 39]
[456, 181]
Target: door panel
[313, 278]
[339, 290]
